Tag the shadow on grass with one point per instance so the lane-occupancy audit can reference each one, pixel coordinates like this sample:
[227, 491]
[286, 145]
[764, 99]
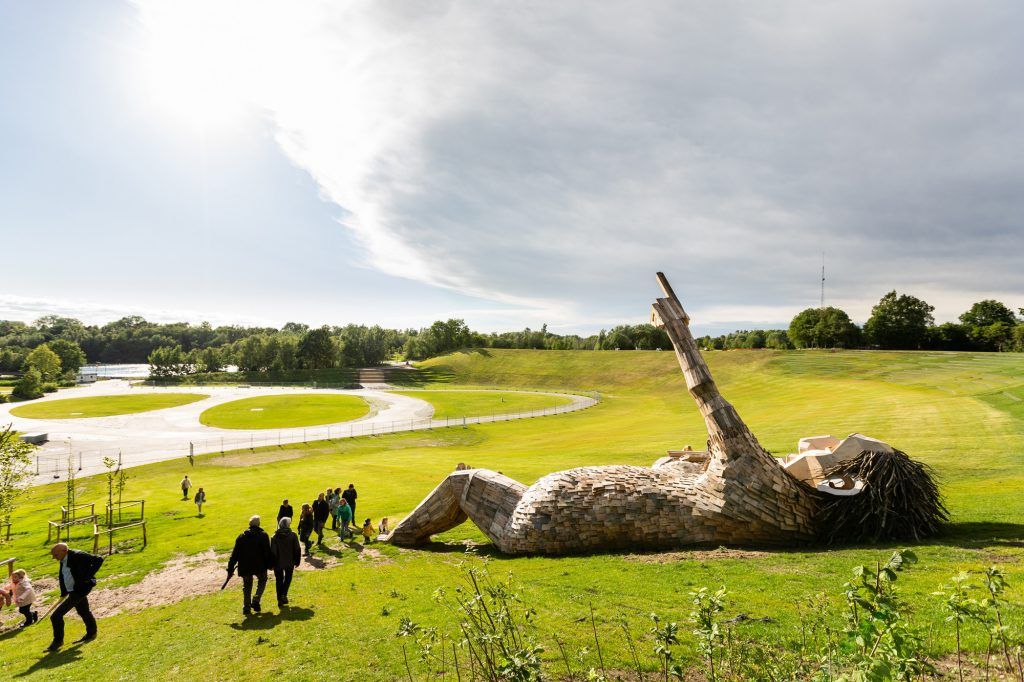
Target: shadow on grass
[980, 534]
[484, 550]
[53, 660]
[421, 377]
[268, 621]
[966, 535]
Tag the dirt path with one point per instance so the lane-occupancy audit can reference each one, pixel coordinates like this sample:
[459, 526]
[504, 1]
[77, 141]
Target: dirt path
[181, 578]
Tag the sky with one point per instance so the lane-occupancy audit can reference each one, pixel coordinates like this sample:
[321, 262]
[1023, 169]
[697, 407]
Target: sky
[511, 164]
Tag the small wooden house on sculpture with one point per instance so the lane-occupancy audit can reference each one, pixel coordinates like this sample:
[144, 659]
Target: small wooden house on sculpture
[736, 493]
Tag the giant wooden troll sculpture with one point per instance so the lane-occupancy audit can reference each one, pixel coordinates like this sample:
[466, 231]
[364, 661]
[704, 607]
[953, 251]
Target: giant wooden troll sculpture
[737, 494]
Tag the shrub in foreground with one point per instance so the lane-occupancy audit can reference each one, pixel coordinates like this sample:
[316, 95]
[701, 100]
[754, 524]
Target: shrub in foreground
[868, 633]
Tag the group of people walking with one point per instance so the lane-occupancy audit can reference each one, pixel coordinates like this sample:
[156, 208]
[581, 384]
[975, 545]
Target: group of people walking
[255, 552]
[200, 496]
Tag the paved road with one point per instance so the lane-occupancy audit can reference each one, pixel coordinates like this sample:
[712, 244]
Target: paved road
[165, 434]
[172, 433]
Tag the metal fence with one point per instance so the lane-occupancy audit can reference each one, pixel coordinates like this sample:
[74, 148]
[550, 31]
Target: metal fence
[89, 462]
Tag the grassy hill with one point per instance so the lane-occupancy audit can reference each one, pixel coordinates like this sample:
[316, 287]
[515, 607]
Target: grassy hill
[962, 413]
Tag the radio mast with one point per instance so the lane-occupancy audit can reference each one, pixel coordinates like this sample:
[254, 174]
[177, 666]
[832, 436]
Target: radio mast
[822, 280]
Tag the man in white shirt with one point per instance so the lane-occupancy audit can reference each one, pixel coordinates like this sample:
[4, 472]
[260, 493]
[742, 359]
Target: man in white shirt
[77, 577]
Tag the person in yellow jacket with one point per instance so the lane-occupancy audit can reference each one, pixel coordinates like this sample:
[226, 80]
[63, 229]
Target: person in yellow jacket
[368, 531]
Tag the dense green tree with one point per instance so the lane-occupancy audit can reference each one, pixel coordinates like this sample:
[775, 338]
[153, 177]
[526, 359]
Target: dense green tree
[12, 358]
[823, 328]
[168, 362]
[70, 353]
[984, 313]
[318, 349]
[15, 474]
[254, 354]
[989, 325]
[440, 337]
[210, 360]
[1018, 336]
[899, 321]
[56, 327]
[948, 336]
[44, 360]
[777, 340]
[30, 385]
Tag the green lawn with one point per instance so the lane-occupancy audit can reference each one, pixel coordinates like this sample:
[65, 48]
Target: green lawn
[285, 411]
[450, 404]
[104, 406]
[962, 413]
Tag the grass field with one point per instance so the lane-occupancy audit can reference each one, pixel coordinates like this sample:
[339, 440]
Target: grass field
[104, 406]
[285, 411]
[475, 403]
[962, 413]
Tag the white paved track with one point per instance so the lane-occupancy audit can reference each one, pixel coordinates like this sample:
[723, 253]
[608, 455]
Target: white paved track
[166, 434]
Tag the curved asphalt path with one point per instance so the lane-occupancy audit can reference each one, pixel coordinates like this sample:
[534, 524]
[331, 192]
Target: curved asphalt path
[166, 434]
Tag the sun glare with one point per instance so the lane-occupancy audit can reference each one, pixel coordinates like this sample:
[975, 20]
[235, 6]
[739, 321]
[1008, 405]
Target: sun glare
[192, 65]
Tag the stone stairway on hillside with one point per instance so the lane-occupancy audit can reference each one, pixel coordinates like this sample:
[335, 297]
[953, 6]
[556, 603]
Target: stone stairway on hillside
[373, 377]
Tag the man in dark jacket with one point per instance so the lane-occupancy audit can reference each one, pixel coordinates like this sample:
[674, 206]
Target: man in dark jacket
[284, 548]
[321, 510]
[77, 577]
[252, 557]
[350, 496]
[284, 511]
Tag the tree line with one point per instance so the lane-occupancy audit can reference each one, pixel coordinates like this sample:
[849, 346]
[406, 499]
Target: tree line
[182, 348]
[897, 322]
[905, 322]
[56, 347]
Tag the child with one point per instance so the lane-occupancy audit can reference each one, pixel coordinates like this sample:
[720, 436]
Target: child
[200, 500]
[20, 591]
[367, 531]
[384, 530]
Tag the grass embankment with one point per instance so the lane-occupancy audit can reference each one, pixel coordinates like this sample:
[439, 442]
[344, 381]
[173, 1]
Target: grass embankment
[104, 406]
[959, 412]
[451, 404]
[335, 376]
[285, 411]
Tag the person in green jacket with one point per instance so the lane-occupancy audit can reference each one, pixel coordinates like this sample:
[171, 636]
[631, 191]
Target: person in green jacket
[345, 518]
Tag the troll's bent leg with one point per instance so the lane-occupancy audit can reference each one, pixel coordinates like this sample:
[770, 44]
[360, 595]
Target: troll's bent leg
[486, 497]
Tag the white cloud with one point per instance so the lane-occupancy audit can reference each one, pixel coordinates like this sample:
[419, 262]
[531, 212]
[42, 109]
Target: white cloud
[29, 309]
[551, 156]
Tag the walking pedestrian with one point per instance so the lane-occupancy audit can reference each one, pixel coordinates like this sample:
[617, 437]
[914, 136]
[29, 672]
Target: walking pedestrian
[306, 526]
[321, 511]
[284, 548]
[77, 577]
[350, 496]
[345, 518]
[284, 510]
[200, 500]
[252, 557]
[333, 498]
[185, 485]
